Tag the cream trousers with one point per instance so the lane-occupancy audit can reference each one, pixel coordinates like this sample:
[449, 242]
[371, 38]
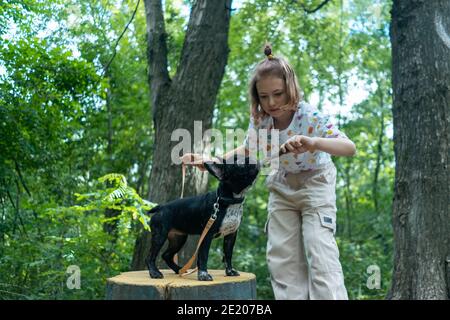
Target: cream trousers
[302, 253]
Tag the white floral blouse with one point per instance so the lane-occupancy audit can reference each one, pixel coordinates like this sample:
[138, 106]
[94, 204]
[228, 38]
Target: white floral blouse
[307, 121]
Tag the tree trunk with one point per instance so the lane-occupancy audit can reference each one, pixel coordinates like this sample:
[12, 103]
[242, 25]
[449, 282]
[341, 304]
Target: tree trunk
[379, 157]
[189, 96]
[421, 85]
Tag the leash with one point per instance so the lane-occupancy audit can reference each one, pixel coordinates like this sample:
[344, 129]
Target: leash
[183, 177]
[183, 271]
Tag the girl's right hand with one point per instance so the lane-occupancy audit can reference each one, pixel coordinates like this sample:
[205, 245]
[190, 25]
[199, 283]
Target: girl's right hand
[194, 159]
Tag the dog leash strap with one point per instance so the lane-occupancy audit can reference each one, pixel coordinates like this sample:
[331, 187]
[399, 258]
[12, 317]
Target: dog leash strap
[183, 177]
[183, 270]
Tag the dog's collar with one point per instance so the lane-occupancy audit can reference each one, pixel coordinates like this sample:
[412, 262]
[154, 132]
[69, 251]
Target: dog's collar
[228, 200]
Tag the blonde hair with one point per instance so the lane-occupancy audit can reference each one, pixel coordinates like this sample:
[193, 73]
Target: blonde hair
[280, 68]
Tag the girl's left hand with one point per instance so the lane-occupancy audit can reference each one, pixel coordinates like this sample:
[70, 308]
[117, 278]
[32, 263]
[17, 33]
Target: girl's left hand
[299, 144]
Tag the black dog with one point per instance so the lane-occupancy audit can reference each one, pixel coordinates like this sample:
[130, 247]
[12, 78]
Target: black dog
[180, 218]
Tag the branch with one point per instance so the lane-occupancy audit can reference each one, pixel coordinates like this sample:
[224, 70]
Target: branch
[10, 198]
[18, 210]
[316, 9]
[229, 8]
[118, 39]
[22, 181]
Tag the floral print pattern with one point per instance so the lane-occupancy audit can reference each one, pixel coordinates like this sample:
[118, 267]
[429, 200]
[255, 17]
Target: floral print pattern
[307, 121]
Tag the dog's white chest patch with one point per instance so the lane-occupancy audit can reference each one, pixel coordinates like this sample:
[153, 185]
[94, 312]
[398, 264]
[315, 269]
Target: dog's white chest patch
[232, 219]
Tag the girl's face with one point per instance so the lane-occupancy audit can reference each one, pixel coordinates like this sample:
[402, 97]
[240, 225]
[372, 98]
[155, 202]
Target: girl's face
[272, 95]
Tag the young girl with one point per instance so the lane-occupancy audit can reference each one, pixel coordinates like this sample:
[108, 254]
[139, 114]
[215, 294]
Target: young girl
[302, 254]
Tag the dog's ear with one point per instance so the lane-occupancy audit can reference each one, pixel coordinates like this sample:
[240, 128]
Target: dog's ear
[216, 169]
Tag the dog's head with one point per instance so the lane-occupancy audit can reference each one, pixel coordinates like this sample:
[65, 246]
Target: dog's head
[237, 173]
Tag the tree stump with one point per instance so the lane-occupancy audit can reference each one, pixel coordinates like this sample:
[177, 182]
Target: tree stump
[137, 285]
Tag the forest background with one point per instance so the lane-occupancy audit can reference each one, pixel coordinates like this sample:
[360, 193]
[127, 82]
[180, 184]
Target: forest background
[75, 106]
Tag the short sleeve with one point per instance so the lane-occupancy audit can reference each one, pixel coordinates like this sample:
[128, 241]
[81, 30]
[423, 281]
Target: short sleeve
[326, 129]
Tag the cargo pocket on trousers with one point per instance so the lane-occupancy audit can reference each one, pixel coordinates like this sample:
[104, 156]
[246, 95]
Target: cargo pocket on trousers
[328, 220]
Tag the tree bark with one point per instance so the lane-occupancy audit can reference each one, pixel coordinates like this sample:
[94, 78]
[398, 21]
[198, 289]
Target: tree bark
[421, 86]
[189, 96]
[379, 157]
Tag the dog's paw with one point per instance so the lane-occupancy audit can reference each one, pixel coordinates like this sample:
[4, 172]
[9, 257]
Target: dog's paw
[176, 270]
[155, 274]
[204, 276]
[231, 273]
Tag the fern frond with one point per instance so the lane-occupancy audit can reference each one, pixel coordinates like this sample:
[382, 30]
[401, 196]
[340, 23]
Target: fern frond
[118, 178]
[120, 192]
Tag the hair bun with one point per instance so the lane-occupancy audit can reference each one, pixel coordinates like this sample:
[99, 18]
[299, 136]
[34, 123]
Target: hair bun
[267, 50]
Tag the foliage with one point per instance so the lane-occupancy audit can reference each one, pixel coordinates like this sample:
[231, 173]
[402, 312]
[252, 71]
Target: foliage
[74, 235]
[119, 196]
[63, 124]
[65, 118]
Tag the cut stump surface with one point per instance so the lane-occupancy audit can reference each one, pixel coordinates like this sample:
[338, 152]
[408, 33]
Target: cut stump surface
[137, 285]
